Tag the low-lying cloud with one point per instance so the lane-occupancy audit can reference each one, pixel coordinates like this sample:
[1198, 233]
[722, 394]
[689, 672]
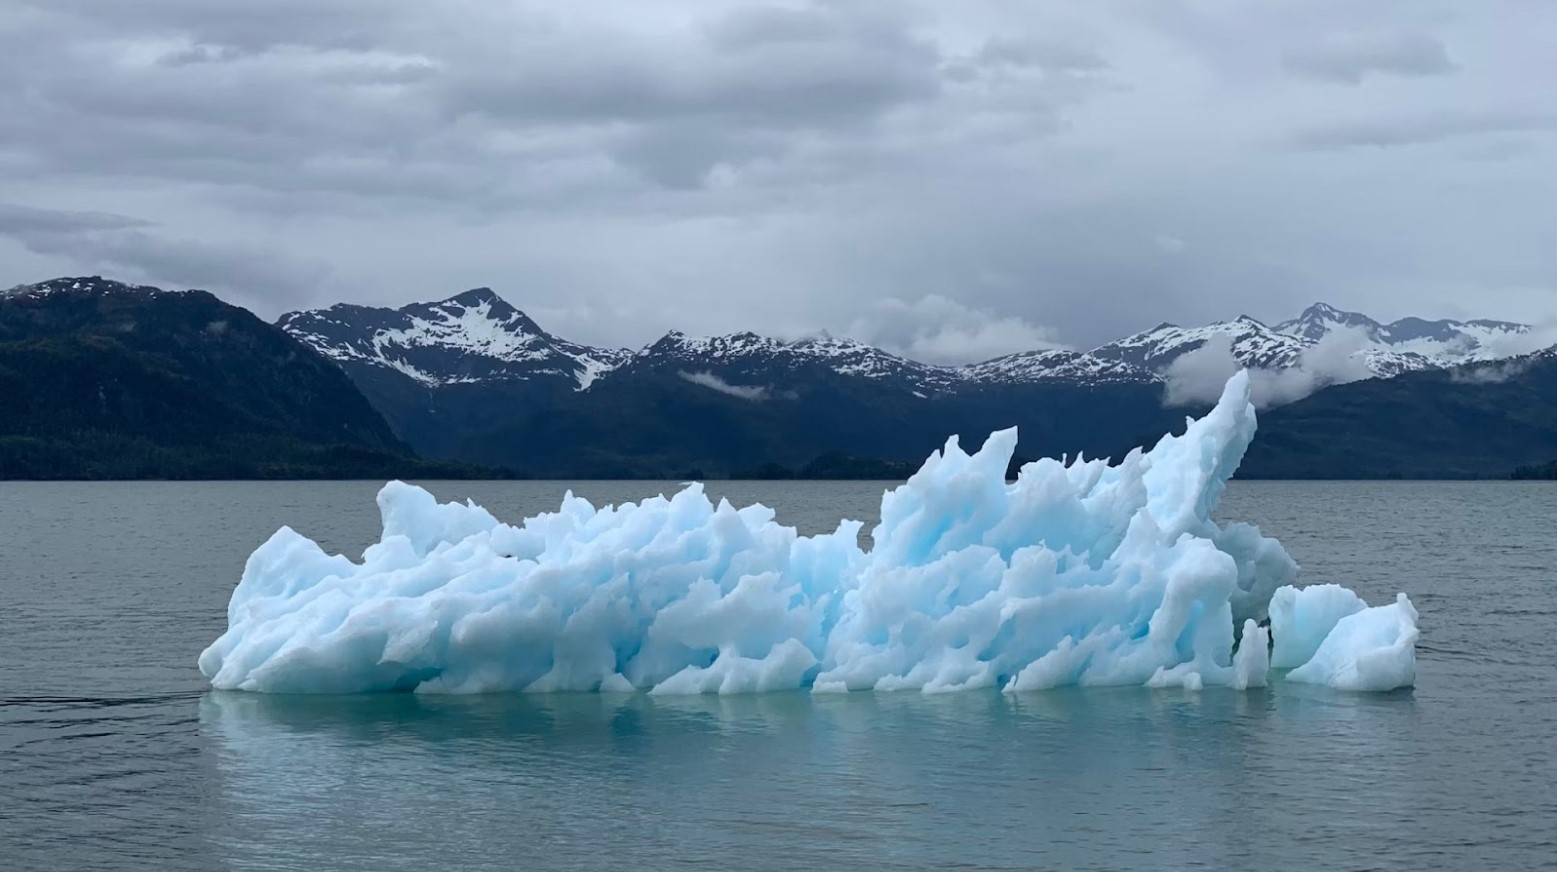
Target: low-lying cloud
[1198, 377]
[935, 329]
[750, 393]
[1489, 373]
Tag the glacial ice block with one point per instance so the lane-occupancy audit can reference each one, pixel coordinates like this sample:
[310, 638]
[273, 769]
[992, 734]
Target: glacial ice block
[1301, 618]
[1074, 574]
[1371, 650]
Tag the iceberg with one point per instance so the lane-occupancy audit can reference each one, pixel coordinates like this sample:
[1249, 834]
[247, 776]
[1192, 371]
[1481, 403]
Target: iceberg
[1302, 618]
[1372, 649]
[1076, 573]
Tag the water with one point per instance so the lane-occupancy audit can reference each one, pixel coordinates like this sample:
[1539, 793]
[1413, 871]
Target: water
[114, 755]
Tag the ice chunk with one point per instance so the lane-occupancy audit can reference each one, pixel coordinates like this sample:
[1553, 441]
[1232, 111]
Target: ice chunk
[1251, 663]
[1372, 650]
[1076, 573]
[1301, 618]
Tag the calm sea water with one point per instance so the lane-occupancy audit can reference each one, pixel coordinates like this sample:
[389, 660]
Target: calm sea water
[114, 755]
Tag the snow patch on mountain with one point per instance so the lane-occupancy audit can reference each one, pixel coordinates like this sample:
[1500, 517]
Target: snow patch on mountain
[1058, 365]
[1323, 346]
[1252, 343]
[1442, 343]
[470, 338]
[748, 356]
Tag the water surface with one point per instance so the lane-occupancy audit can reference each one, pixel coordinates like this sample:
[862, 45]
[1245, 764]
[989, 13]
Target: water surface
[114, 754]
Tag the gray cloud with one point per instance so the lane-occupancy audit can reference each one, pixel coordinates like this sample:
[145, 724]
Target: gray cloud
[128, 247]
[334, 97]
[28, 221]
[1350, 57]
[1423, 129]
[1050, 56]
[244, 25]
[838, 70]
[1072, 171]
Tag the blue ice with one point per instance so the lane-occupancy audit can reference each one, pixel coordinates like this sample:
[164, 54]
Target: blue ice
[1080, 573]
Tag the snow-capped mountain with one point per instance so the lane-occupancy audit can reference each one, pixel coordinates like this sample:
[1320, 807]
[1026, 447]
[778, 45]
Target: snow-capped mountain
[1437, 343]
[1321, 319]
[1386, 350]
[1252, 343]
[478, 337]
[1146, 356]
[1259, 346]
[764, 360]
[472, 337]
[1057, 365]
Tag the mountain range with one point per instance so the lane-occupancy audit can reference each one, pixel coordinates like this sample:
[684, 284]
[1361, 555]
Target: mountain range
[477, 337]
[473, 380]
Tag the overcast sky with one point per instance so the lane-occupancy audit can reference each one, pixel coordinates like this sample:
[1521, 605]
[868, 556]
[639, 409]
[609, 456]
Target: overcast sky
[952, 179]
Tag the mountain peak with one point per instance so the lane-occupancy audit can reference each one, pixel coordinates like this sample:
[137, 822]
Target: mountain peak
[475, 297]
[671, 342]
[474, 336]
[478, 310]
[1324, 312]
[1321, 319]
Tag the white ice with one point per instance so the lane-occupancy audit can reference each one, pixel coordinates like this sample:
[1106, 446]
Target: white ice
[1075, 574]
[1374, 649]
[1301, 618]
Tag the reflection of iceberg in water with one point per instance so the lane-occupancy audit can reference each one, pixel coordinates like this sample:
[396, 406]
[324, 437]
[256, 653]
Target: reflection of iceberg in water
[805, 781]
[1076, 574]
